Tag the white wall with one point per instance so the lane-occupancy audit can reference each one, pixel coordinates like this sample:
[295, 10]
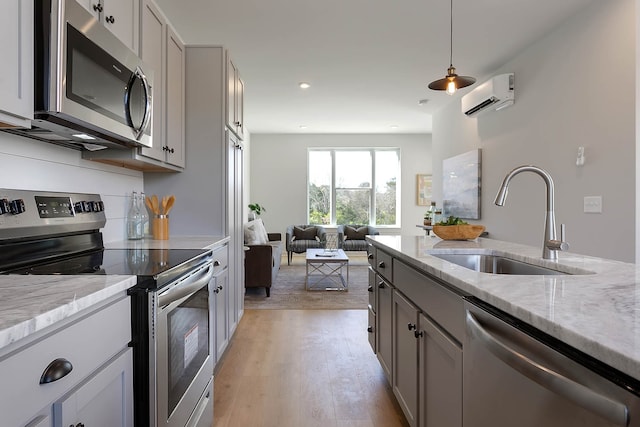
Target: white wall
[278, 171]
[32, 165]
[574, 88]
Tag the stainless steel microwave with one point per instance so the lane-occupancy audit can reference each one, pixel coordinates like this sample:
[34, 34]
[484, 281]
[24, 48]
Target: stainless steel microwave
[91, 90]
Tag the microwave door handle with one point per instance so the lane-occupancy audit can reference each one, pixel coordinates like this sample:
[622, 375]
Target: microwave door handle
[138, 74]
[615, 412]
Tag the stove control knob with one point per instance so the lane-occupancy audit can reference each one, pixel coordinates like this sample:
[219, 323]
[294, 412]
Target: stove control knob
[90, 207]
[86, 207]
[77, 206]
[4, 206]
[17, 206]
[100, 205]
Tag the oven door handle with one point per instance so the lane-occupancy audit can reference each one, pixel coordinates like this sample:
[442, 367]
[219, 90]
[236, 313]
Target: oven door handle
[186, 287]
[611, 410]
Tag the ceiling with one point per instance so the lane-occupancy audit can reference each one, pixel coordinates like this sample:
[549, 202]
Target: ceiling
[368, 61]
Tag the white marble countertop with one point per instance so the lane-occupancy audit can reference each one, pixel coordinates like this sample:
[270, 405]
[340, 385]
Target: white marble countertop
[597, 313]
[32, 304]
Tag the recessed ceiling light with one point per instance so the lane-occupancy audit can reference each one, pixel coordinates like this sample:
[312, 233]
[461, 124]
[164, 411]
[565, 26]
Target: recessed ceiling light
[304, 85]
[302, 126]
[394, 126]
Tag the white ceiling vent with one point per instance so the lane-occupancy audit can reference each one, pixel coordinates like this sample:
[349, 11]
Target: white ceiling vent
[494, 94]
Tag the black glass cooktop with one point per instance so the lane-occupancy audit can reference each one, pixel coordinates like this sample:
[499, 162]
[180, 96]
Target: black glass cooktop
[147, 264]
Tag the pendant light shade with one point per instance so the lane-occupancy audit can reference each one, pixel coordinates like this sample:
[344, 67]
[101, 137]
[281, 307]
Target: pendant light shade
[451, 82]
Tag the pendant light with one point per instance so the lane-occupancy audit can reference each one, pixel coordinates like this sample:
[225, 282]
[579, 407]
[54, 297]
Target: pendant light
[452, 81]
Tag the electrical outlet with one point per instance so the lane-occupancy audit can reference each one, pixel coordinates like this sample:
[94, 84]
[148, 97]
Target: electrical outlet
[593, 204]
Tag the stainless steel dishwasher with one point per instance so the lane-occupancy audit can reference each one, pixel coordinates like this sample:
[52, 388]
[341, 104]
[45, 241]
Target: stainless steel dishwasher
[515, 375]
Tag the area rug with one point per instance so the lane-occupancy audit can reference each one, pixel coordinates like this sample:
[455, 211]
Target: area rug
[289, 293]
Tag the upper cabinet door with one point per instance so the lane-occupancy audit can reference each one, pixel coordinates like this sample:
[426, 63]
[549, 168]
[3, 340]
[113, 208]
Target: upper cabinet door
[16, 67]
[235, 94]
[175, 102]
[152, 53]
[121, 17]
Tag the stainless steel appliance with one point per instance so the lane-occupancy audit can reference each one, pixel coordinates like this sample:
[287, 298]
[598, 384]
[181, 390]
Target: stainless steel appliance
[514, 375]
[91, 91]
[58, 233]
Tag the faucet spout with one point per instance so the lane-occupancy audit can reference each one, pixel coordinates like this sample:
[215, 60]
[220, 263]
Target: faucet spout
[551, 244]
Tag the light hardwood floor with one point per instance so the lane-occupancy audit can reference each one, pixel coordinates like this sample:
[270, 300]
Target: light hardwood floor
[303, 368]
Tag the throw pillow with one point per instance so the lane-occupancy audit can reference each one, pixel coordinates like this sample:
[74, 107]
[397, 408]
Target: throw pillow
[254, 233]
[262, 231]
[308, 233]
[355, 233]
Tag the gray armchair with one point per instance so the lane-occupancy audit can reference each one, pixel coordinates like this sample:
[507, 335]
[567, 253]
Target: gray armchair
[299, 238]
[351, 236]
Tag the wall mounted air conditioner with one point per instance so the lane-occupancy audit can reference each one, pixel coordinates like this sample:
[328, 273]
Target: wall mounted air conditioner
[494, 94]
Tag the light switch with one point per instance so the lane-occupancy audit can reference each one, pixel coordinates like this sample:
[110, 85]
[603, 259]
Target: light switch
[593, 204]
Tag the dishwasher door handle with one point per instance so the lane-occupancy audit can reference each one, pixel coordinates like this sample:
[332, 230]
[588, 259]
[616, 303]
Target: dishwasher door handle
[609, 409]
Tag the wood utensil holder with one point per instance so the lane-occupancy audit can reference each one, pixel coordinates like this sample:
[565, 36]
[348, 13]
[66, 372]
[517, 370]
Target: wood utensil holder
[160, 227]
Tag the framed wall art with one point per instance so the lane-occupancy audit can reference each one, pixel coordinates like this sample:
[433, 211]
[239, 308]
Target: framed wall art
[461, 185]
[423, 190]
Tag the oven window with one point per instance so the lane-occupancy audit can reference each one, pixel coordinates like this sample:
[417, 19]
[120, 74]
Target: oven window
[188, 329]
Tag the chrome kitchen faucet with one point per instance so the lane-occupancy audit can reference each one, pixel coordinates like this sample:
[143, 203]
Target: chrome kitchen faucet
[551, 244]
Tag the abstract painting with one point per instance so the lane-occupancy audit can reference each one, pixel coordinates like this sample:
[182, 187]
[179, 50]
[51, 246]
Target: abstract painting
[461, 178]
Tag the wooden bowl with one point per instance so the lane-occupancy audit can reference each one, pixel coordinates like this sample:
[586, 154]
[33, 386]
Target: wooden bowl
[458, 232]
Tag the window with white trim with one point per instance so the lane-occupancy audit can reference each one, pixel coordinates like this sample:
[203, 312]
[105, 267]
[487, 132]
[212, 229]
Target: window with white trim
[353, 186]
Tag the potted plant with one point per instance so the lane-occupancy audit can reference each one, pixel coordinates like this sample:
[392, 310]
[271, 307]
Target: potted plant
[256, 210]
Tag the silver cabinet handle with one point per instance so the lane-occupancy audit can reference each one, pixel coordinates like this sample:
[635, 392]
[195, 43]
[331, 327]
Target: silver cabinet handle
[615, 412]
[138, 131]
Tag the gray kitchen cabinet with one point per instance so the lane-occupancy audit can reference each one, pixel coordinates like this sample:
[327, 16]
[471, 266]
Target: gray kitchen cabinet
[372, 307]
[440, 377]
[100, 400]
[418, 335]
[405, 356]
[222, 301]
[384, 326]
[121, 17]
[235, 99]
[235, 218]
[16, 67]
[71, 369]
[163, 50]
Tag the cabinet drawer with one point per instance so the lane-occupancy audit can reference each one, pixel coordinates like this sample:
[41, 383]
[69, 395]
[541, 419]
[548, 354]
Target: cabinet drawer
[384, 264]
[371, 255]
[87, 343]
[220, 258]
[444, 306]
[372, 290]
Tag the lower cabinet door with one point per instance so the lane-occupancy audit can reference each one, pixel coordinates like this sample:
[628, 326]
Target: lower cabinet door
[440, 377]
[105, 399]
[405, 356]
[383, 329]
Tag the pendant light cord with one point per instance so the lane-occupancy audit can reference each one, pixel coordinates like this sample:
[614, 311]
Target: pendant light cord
[451, 37]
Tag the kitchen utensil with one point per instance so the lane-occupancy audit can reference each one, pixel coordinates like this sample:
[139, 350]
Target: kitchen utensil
[154, 204]
[170, 201]
[147, 202]
[164, 205]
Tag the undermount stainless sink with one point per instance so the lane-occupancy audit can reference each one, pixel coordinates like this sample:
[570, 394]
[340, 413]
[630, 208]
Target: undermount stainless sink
[496, 264]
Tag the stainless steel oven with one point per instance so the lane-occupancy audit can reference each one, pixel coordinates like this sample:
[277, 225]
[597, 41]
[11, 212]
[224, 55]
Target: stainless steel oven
[45, 233]
[90, 89]
[182, 361]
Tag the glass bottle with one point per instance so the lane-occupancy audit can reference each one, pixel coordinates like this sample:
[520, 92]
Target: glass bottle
[134, 219]
[144, 216]
[431, 213]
